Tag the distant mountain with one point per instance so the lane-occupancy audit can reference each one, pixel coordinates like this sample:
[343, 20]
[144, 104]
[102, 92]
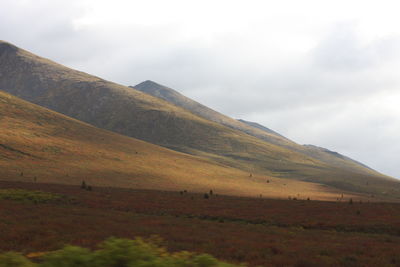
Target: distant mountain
[340, 163]
[333, 153]
[176, 98]
[251, 128]
[136, 114]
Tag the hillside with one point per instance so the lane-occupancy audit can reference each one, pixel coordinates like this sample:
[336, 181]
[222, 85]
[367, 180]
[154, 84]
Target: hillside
[347, 173]
[174, 97]
[136, 114]
[260, 127]
[251, 128]
[44, 146]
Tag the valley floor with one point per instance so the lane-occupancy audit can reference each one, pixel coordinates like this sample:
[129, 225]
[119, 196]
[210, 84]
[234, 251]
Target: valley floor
[260, 231]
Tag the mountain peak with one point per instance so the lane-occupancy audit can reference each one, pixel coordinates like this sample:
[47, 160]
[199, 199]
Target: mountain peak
[6, 47]
[148, 84]
[157, 90]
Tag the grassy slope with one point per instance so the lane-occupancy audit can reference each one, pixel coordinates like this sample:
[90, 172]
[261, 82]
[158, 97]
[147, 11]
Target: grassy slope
[130, 112]
[37, 142]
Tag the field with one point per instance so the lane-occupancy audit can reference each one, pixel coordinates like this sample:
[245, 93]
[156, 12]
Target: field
[256, 231]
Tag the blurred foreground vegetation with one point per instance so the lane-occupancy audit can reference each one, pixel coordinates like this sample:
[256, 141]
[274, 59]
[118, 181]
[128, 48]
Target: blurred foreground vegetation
[113, 252]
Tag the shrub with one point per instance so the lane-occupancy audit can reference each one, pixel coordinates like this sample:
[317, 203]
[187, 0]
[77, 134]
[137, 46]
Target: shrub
[205, 260]
[12, 259]
[69, 256]
[124, 252]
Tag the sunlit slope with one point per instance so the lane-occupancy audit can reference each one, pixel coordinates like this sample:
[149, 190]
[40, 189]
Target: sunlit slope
[40, 145]
[252, 128]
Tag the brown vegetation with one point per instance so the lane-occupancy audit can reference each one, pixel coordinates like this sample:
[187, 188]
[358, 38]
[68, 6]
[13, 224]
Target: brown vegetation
[257, 231]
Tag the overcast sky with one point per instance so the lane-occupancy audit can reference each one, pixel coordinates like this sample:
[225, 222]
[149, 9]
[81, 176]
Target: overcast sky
[319, 72]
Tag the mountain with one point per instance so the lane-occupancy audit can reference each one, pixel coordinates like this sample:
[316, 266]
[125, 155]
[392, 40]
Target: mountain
[323, 154]
[43, 146]
[174, 97]
[360, 173]
[133, 113]
[136, 114]
[251, 128]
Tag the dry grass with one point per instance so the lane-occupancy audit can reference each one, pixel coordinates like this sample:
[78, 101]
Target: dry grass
[43, 146]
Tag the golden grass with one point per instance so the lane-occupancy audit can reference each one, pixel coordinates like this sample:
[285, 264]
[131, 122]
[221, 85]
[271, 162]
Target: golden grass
[41, 145]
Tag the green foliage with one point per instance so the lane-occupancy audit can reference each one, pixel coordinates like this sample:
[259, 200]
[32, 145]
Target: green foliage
[69, 256]
[12, 259]
[125, 252]
[115, 252]
[28, 195]
[205, 261]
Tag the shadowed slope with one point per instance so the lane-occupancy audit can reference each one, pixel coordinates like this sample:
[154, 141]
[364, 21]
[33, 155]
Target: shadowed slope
[262, 128]
[174, 97]
[254, 129]
[331, 157]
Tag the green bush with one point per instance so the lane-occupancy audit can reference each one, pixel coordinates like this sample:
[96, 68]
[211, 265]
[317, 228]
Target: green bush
[69, 256]
[115, 252]
[11, 259]
[124, 252]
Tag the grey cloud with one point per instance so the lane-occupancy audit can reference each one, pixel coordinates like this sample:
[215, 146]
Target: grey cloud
[342, 50]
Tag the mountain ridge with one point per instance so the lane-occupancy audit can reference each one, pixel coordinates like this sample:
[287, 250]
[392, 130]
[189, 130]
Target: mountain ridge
[251, 128]
[133, 113]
